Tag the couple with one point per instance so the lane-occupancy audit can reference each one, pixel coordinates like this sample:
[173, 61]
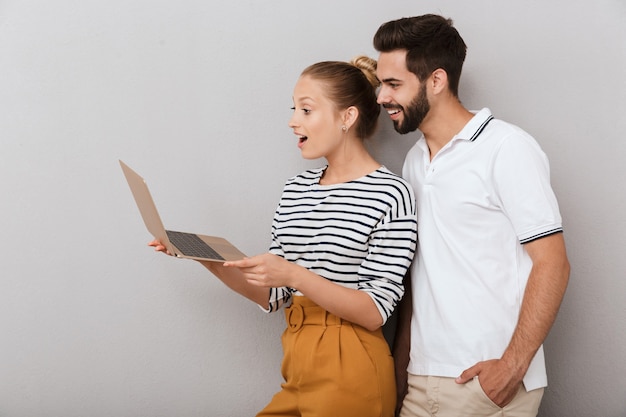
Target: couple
[489, 272]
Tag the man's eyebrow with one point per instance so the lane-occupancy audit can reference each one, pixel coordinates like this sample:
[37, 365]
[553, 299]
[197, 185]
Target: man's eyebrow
[391, 80]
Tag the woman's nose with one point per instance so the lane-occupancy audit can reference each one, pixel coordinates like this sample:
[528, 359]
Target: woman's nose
[292, 123]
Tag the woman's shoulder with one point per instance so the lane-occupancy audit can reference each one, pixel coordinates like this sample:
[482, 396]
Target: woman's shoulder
[392, 191]
[386, 177]
[388, 183]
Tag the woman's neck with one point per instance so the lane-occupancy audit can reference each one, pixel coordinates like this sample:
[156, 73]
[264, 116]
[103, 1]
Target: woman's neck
[349, 166]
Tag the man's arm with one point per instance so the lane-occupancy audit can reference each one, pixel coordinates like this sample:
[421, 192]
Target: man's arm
[501, 378]
[402, 341]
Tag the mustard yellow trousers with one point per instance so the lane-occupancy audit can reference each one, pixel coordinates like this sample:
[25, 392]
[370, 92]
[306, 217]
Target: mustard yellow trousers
[332, 368]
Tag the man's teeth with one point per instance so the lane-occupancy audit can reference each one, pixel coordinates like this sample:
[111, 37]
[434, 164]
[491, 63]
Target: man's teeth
[392, 112]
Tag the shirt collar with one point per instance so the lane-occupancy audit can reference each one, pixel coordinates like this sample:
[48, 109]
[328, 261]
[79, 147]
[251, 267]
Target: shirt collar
[475, 126]
[470, 131]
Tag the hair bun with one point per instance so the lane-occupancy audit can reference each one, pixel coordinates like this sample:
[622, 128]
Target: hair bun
[368, 66]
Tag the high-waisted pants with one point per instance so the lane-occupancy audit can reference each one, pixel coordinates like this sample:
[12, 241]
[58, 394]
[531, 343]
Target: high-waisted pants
[332, 368]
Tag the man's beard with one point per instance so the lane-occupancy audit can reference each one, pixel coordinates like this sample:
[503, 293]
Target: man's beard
[414, 114]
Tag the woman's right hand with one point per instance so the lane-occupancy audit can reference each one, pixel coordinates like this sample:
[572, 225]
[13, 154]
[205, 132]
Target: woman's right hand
[159, 247]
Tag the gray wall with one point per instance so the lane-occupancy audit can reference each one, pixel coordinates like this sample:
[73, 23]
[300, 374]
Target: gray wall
[196, 95]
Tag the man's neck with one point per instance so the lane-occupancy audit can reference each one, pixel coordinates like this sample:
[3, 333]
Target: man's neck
[443, 124]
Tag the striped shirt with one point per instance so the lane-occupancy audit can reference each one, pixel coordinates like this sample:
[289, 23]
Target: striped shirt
[360, 234]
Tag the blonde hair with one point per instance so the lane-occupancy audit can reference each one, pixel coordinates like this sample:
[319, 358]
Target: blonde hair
[349, 84]
[368, 66]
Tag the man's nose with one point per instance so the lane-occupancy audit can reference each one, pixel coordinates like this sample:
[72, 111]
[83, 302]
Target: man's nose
[382, 96]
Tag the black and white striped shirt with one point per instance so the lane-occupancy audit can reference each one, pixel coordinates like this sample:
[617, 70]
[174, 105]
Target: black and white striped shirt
[360, 234]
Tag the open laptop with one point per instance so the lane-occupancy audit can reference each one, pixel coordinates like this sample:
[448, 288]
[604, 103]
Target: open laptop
[179, 244]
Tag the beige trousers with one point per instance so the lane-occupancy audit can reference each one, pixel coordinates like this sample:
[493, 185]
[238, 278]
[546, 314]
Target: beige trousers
[431, 396]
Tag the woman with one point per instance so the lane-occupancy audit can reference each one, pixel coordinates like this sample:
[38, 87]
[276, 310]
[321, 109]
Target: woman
[343, 237]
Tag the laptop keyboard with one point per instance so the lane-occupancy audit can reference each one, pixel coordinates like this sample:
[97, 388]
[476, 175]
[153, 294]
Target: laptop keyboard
[191, 245]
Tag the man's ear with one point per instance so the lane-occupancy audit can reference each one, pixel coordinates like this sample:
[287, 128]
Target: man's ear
[349, 116]
[439, 80]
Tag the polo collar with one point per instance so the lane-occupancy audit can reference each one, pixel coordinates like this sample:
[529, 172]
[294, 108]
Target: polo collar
[476, 125]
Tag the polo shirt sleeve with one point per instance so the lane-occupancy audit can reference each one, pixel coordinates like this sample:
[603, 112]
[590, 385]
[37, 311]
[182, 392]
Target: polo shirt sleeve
[522, 182]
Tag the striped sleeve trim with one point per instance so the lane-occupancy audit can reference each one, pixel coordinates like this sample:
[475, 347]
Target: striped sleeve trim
[540, 235]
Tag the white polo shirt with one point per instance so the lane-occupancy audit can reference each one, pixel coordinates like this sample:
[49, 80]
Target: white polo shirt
[481, 197]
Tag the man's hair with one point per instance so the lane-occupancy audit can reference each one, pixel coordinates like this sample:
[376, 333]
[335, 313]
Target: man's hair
[431, 42]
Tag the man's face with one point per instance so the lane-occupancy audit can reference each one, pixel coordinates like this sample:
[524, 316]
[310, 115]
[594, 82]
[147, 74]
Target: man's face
[401, 93]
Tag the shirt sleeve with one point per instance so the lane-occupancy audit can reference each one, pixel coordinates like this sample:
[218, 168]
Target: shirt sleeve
[522, 182]
[391, 249]
[281, 295]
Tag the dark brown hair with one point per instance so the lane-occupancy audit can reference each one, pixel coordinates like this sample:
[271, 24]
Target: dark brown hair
[431, 42]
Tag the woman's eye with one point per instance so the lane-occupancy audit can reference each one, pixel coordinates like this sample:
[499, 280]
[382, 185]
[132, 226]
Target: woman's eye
[305, 111]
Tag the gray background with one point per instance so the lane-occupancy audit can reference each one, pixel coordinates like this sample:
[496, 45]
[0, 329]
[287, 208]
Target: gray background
[196, 96]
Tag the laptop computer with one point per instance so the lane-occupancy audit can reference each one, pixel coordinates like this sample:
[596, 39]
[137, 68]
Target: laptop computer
[179, 244]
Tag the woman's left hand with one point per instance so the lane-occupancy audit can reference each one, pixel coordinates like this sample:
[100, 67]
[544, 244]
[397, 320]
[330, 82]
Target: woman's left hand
[266, 270]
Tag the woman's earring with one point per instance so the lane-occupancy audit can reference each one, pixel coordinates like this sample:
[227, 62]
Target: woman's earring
[344, 128]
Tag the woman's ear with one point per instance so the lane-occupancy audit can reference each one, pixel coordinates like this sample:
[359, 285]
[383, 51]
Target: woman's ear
[350, 115]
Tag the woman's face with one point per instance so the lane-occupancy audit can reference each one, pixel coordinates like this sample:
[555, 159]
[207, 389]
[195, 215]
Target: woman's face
[315, 121]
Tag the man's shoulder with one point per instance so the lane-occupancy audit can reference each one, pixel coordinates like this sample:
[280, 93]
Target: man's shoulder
[503, 134]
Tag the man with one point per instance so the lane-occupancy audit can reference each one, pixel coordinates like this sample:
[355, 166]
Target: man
[491, 267]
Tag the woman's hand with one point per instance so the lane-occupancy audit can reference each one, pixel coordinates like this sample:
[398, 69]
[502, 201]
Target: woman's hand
[266, 270]
[271, 271]
[159, 247]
